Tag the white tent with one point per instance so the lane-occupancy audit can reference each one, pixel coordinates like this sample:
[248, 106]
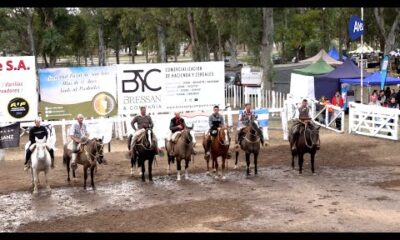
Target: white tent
[302, 86]
[395, 53]
[364, 49]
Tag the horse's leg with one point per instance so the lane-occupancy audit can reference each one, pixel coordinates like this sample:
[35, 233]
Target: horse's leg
[293, 156]
[178, 168]
[169, 165]
[186, 168]
[237, 159]
[35, 181]
[300, 157]
[92, 169]
[208, 167]
[312, 163]
[248, 164]
[215, 163]
[141, 162]
[151, 168]
[85, 168]
[223, 168]
[255, 162]
[132, 163]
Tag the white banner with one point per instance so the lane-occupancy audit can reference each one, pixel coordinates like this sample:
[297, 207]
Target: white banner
[169, 87]
[18, 89]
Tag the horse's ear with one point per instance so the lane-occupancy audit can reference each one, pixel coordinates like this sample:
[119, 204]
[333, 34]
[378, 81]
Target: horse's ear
[318, 127]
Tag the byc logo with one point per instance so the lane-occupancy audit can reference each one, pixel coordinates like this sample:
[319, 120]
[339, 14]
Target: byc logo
[143, 81]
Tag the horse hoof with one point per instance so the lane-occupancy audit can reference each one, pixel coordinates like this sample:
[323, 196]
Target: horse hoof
[223, 178]
[314, 174]
[207, 173]
[216, 176]
[35, 193]
[235, 167]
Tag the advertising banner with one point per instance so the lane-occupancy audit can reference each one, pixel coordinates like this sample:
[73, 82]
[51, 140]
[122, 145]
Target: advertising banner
[65, 92]
[18, 89]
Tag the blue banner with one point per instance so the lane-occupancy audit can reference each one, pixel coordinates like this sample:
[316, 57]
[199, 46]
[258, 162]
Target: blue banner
[384, 67]
[356, 27]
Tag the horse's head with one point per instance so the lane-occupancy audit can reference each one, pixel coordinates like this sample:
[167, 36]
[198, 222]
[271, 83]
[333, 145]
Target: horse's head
[96, 149]
[223, 136]
[148, 138]
[188, 134]
[314, 136]
[40, 147]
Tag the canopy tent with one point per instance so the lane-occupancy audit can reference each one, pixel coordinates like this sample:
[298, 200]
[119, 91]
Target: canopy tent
[328, 84]
[395, 53]
[302, 80]
[374, 79]
[363, 49]
[333, 53]
[324, 55]
[318, 68]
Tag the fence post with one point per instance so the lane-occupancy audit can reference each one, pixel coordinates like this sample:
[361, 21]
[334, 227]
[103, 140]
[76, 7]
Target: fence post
[63, 131]
[284, 121]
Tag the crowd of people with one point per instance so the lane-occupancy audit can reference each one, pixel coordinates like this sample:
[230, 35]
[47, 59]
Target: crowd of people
[385, 98]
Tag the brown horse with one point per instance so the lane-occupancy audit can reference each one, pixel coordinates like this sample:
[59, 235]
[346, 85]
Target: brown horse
[250, 144]
[89, 155]
[182, 151]
[307, 142]
[219, 148]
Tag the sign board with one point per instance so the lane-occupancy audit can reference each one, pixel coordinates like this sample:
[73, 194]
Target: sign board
[65, 92]
[251, 76]
[356, 27]
[9, 136]
[169, 87]
[384, 68]
[18, 89]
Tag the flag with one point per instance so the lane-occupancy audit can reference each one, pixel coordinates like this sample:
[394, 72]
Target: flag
[9, 136]
[262, 117]
[384, 67]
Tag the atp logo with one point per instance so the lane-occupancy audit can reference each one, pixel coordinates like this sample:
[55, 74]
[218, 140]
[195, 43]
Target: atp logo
[139, 81]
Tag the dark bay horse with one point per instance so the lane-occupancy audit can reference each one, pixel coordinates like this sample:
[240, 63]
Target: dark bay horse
[219, 148]
[307, 142]
[89, 155]
[182, 151]
[250, 144]
[145, 149]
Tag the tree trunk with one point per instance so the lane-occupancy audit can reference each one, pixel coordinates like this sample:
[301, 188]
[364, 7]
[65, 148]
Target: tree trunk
[207, 49]
[193, 37]
[29, 29]
[176, 52]
[390, 38]
[133, 52]
[162, 50]
[267, 46]
[102, 50]
[45, 60]
[232, 43]
[146, 52]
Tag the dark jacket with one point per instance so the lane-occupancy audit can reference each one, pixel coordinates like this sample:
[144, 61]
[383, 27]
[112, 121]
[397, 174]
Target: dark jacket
[39, 132]
[174, 123]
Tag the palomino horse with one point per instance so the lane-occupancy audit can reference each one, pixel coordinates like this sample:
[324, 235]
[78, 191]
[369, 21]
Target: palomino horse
[145, 149]
[307, 142]
[89, 155]
[40, 162]
[183, 150]
[250, 144]
[219, 148]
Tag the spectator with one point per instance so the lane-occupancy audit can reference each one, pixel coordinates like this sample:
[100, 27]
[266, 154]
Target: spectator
[337, 101]
[324, 101]
[382, 97]
[387, 93]
[392, 104]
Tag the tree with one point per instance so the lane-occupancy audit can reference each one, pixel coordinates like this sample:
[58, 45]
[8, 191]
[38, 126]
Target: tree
[388, 31]
[266, 46]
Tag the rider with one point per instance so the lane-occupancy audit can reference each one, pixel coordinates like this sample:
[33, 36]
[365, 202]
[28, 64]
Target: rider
[79, 135]
[215, 121]
[245, 118]
[143, 121]
[304, 117]
[176, 125]
[40, 132]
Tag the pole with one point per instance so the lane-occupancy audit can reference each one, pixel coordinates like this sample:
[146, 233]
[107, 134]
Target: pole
[362, 65]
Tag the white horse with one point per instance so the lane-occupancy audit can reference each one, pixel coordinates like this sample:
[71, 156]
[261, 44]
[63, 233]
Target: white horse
[40, 162]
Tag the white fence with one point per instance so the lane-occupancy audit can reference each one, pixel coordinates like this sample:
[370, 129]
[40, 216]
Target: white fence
[237, 96]
[374, 121]
[320, 113]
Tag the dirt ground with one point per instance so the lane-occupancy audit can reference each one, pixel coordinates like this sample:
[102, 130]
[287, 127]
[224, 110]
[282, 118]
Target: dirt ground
[356, 188]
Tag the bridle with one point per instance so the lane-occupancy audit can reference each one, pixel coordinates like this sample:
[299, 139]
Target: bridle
[219, 136]
[312, 131]
[98, 154]
[256, 135]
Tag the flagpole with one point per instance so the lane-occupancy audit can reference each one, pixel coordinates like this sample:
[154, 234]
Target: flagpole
[362, 65]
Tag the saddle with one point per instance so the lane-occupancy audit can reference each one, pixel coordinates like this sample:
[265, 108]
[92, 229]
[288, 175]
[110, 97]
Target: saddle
[178, 135]
[140, 137]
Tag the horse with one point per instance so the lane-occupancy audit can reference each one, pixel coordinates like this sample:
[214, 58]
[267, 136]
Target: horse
[250, 144]
[88, 156]
[182, 151]
[219, 148]
[307, 142]
[145, 149]
[40, 162]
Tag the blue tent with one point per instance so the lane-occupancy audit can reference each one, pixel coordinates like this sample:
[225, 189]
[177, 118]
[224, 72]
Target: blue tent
[333, 53]
[328, 84]
[374, 79]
